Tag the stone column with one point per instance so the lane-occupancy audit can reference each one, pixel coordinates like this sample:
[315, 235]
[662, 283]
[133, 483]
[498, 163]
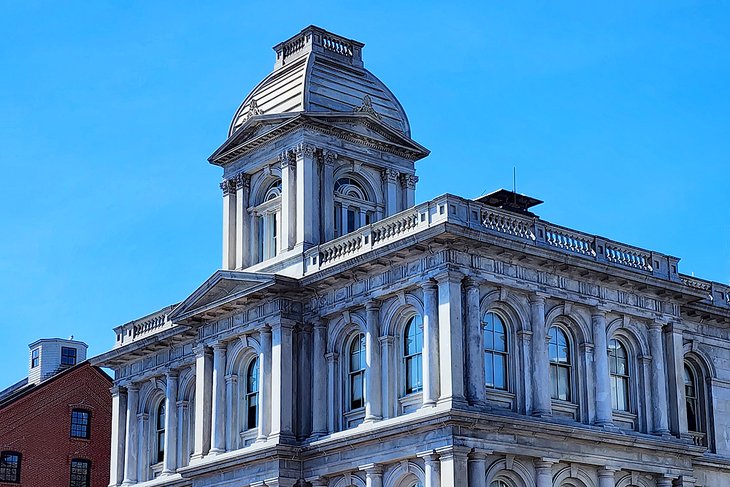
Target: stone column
[243, 222]
[524, 343]
[606, 477]
[373, 391]
[430, 352]
[130, 452]
[183, 450]
[664, 482]
[232, 431]
[660, 423]
[253, 239]
[390, 178]
[118, 434]
[453, 466]
[143, 444]
[675, 378]
[477, 467]
[373, 475]
[408, 181]
[331, 391]
[265, 383]
[541, 397]
[544, 473]
[218, 429]
[451, 352]
[282, 371]
[476, 382]
[203, 400]
[288, 200]
[229, 224]
[388, 373]
[171, 422]
[307, 205]
[432, 471]
[319, 381]
[602, 376]
[328, 191]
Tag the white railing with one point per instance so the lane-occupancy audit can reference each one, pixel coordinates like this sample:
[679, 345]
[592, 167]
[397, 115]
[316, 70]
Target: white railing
[144, 327]
[293, 46]
[570, 241]
[337, 44]
[629, 256]
[508, 223]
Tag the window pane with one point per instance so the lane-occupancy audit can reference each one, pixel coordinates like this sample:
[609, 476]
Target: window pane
[500, 372]
[356, 391]
[554, 381]
[564, 383]
[10, 467]
[79, 423]
[500, 342]
[80, 473]
[489, 368]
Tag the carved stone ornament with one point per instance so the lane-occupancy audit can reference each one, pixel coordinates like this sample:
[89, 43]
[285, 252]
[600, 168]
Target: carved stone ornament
[288, 158]
[409, 181]
[228, 186]
[329, 157]
[367, 107]
[242, 180]
[253, 110]
[389, 175]
[304, 150]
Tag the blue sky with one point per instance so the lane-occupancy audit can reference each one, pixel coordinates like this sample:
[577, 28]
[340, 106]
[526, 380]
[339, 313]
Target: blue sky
[617, 116]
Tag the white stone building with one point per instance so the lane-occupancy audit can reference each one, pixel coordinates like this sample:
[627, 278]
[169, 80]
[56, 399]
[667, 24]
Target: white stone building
[354, 338]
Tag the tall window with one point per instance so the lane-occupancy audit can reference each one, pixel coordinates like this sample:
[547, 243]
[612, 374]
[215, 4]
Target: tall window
[160, 431]
[80, 423]
[269, 222]
[252, 394]
[35, 358]
[10, 466]
[352, 206]
[80, 473]
[618, 362]
[412, 347]
[495, 351]
[560, 364]
[356, 373]
[68, 356]
[692, 399]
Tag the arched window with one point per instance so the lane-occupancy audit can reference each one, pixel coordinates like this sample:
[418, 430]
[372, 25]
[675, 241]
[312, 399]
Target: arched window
[268, 222]
[412, 347]
[251, 398]
[618, 362]
[353, 208]
[160, 431]
[560, 364]
[692, 399]
[356, 373]
[495, 351]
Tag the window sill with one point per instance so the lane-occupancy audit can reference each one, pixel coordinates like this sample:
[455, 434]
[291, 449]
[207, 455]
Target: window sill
[354, 418]
[248, 437]
[501, 398]
[565, 409]
[411, 402]
[624, 420]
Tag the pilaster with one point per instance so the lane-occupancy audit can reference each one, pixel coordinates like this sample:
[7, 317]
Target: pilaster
[266, 383]
[328, 189]
[130, 452]
[659, 405]
[675, 379]
[544, 472]
[390, 178]
[602, 377]
[476, 390]
[229, 224]
[373, 475]
[288, 200]
[243, 222]
[451, 352]
[373, 391]
[203, 401]
[541, 397]
[453, 465]
[170, 461]
[282, 373]
[307, 187]
[320, 408]
[118, 435]
[218, 428]
[430, 352]
[432, 469]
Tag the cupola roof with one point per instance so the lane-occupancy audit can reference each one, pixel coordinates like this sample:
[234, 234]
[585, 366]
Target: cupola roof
[317, 71]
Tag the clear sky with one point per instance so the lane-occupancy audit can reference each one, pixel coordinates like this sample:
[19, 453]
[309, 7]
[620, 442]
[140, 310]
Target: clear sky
[617, 116]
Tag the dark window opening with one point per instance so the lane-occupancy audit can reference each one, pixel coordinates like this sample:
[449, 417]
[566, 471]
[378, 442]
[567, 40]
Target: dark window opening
[68, 356]
[80, 473]
[80, 423]
[10, 467]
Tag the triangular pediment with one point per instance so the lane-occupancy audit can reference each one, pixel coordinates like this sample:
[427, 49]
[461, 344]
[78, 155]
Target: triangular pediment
[359, 127]
[226, 289]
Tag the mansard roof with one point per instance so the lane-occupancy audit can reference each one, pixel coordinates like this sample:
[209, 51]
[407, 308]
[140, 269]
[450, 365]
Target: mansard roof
[317, 71]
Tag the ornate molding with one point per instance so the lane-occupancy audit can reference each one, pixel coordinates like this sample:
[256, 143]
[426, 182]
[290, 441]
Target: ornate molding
[287, 159]
[228, 186]
[242, 181]
[409, 181]
[328, 157]
[304, 150]
[367, 107]
[253, 110]
[389, 175]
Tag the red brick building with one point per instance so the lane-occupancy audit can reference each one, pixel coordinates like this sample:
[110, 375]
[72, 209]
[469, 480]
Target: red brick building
[55, 425]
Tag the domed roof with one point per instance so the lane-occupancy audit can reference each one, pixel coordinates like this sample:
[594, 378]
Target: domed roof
[317, 71]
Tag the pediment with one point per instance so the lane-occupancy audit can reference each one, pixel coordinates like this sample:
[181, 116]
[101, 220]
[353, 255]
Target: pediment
[225, 289]
[359, 127]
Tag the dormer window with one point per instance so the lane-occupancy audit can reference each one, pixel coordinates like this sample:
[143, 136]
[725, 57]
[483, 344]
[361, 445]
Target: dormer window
[35, 358]
[268, 219]
[68, 356]
[353, 207]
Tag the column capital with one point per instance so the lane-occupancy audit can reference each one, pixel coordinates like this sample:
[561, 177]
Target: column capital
[117, 390]
[545, 462]
[219, 347]
[132, 388]
[389, 175]
[408, 181]
[470, 282]
[450, 451]
[242, 181]
[429, 456]
[265, 329]
[182, 404]
[228, 186]
[537, 298]
[372, 305]
[328, 157]
[287, 158]
[389, 339]
[371, 469]
[479, 454]
[448, 275]
[607, 471]
[201, 349]
[331, 357]
[600, 310]
[143, 416]
[172, 374]
[674, 327]
[304, 150]
[231, 378]
[657, 325]
[429, 285]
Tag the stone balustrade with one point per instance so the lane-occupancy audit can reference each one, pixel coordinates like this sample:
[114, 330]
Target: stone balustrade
[717, 294]
[144, 327]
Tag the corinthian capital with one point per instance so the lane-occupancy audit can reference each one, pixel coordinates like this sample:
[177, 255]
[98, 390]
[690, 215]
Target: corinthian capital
[287, 158]
[389, 175]
[409, 181]
[228, 186]
[242, 180]
[304, 150]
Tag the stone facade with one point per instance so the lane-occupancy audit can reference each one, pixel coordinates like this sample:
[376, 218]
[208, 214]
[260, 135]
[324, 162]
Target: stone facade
[354, 338]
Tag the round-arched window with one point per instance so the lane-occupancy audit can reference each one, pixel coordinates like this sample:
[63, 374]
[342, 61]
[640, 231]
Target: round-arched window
[160, 431]
[353, 208]
[495, 351]
[252, 394]
[560, 364]
[356, 372]
[412, 347]
[618, 361]
[690, 394]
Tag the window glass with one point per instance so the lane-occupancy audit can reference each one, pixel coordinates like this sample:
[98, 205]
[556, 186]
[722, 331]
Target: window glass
[619, 368]
[495, 351]
[353, 208]
[80, 423]
[68, 356]
[356, 372]
[412, 347]
[10, 467]
[560, 364]
[252, 394]
[35, 358]
[690, 394]
[160, 425]
[80, 473]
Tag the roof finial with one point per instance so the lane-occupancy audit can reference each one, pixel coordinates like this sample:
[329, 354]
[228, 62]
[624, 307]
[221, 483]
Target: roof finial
[367, 107]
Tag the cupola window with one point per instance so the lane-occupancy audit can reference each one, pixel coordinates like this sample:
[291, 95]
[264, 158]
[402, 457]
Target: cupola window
[353, 207]
[268, 222]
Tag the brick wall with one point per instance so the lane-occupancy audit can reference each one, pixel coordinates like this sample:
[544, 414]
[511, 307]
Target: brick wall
[38, 425]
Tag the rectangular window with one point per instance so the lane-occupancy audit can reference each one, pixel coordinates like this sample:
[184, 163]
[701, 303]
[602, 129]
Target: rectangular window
[80, 473]
[35, 358]
[10, 467]
[68, 356]
[80, 423]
